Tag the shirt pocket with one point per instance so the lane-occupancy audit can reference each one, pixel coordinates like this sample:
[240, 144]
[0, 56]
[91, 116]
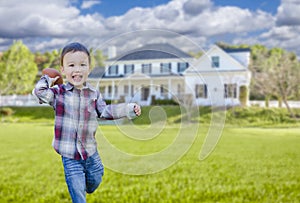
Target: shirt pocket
[92, 108]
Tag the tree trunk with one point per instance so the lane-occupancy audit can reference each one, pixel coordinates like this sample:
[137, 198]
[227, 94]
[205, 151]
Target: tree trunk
[289, 108]
[267, 100]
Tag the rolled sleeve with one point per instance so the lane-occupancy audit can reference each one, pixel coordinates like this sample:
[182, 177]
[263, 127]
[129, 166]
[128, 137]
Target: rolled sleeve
[115, 111]
[43, 92]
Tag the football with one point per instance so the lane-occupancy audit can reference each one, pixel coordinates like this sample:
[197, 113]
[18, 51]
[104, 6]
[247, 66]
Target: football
[52, 73]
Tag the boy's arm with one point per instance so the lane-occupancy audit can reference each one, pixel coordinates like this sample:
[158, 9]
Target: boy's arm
[43, 91]
[115, 111]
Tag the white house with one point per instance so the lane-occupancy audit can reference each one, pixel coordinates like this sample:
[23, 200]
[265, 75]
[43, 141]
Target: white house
[162, 71]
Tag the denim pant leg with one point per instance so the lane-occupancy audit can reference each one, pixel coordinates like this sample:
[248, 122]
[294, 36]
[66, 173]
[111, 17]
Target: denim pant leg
[94, 172]
[75, 179]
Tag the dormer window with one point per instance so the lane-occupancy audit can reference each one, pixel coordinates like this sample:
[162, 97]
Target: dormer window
[113, 70]
[129, 69]
[215, 61]
[146, 68]
[165, 67]
[182, 67]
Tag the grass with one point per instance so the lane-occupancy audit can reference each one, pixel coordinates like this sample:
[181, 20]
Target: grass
[248, 165]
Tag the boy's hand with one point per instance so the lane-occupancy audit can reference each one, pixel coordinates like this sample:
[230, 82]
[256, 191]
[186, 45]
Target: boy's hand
[137, 110]
[53, 80]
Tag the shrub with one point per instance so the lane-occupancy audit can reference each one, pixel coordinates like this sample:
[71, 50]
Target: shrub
[6, 111]
[243, 95]
[164, 102]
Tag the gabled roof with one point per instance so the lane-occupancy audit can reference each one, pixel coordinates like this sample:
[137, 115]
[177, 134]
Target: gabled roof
[232, 50]
[152, 51]
[204, 62]
[230, 57]
[97, 72]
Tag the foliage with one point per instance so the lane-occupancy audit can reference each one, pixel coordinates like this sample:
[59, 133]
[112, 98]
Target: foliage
[248, 165]
[97, 58]
[276, 74]
[224, 45]
[164, 102]
[237, 116]
[196, 55]
[47, 60]
[18, 70]
[6, 111]
[243, 95]
[257, 116]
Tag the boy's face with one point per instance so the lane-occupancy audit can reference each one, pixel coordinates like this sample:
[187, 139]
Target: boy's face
[76, 68]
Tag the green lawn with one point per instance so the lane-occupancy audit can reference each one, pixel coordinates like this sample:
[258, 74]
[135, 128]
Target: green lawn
[248, 165]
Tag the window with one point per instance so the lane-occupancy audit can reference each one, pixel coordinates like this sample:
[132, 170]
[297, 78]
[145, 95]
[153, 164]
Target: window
[234, 90]
[182, 67]
[201, 91]
[146, 68]
[163, 91]
[128, 91]
[128, 69]
[110, 91]
[113, 70]
[215, 61]
[165, 67]
[102, 89]
[145, 93]
[230, 90]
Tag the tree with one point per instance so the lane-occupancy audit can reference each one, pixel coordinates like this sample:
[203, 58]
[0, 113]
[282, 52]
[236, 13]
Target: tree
[17, 70]
[283, 75]
[196, 55]
[259, 54]
[97, 58]
[47, 60]
[276, 74]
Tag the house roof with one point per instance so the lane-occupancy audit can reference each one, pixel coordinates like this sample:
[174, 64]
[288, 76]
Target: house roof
[152, 51]
[232, 50]
[97, 72]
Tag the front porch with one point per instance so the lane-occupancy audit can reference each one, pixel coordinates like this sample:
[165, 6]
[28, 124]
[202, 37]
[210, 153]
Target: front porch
[140, 89]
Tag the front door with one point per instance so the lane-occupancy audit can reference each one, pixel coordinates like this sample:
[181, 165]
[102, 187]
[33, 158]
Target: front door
[145, 93]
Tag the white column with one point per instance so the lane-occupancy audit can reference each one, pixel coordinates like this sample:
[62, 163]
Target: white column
[113, 89]
[151, 87]
[169, 88]
[129, 91]
[150, 91]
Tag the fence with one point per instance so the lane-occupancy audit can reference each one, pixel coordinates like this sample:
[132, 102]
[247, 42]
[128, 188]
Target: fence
[273, 103]
[19, 100]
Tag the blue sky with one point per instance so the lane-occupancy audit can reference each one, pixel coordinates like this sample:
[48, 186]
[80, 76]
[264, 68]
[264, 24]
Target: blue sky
[120, 7]
[110, 8]
[46, 25]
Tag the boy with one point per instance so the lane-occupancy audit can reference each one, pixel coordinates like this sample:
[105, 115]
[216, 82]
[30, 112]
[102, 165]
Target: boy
[77, 106]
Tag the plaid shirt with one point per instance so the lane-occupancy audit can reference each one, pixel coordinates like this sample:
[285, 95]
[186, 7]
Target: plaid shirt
[76, 116]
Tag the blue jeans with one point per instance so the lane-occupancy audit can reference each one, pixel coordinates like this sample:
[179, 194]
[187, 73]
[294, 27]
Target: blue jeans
[83, 176]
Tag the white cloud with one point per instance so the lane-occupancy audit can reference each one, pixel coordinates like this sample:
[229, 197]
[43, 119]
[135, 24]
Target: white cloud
[45, 26]
[195, 7]
[288, 13]
[52, 44]
[89, 3]
[25, 20]
[209, 22]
